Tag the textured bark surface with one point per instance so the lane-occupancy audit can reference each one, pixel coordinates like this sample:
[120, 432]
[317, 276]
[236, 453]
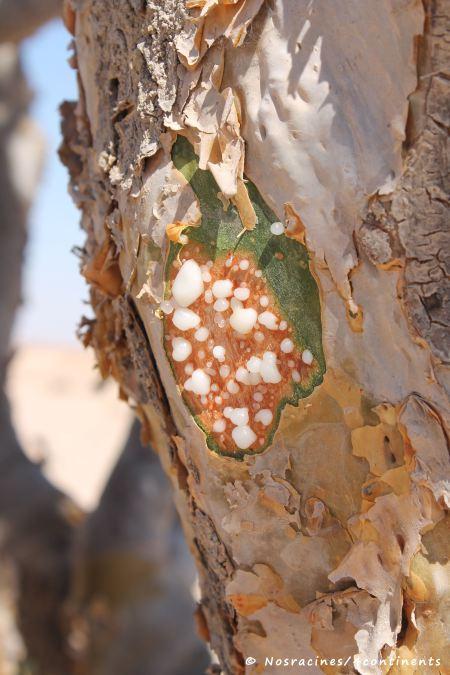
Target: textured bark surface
[411, 226]
[330, 544]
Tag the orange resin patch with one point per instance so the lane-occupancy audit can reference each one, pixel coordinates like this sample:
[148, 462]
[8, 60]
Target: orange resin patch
[222, 357]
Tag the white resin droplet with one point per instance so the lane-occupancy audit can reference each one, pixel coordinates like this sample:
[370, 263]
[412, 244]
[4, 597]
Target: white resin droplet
[232, 387]
[268, 320]
[201, 334]
[242, 294]
[283, 325]
[307, 357]
[222, 288]
[264, 416]
[258, 397]
[227, 411]
[219, 352]
[242, 375]
[259, 337]
[209, 298]
[254, 364]
[224, 371]
[239, 417]
[188, 284]
[185, 319]
[166, 306]
[189, 368]
[287, 346]
[269, 371]
[181, 349]
[244, 264]
[277, 228]
[243, 319]
[200, 382]
[219, 426]
[264, 301]
[244, 437]
[296, 376]
[221, 305]
[258, 273]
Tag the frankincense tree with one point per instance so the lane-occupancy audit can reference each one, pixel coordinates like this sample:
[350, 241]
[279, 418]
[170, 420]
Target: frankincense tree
[264, 192]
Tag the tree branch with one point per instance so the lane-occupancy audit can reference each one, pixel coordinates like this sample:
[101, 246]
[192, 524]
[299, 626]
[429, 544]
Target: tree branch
[20, 18]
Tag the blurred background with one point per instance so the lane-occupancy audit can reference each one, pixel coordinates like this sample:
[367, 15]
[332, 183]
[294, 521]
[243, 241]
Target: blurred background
[52, 383]
[95, 577]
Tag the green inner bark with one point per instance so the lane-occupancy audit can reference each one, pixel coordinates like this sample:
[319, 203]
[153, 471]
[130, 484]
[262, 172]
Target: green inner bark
[288, 275]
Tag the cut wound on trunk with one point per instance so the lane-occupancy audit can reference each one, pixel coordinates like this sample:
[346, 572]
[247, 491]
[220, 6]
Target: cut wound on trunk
[241, 318]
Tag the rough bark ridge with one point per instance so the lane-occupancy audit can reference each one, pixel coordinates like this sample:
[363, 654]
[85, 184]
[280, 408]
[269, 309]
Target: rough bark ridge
[331, 544]
[410, 227]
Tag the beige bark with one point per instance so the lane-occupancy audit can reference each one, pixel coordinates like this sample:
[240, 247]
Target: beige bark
[332, 543]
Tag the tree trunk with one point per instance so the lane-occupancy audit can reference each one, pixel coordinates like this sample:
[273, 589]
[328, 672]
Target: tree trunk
[295, 150]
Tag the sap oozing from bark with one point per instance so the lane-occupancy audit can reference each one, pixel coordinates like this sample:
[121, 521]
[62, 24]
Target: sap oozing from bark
[244, 332]
[236, 361]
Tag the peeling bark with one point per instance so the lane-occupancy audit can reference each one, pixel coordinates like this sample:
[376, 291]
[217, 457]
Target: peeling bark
[411, 225]
[328, 544]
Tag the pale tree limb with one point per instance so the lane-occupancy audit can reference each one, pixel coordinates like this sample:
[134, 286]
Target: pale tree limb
[20, 18]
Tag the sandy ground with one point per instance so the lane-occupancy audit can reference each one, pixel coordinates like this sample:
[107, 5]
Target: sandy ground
[65, 415]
